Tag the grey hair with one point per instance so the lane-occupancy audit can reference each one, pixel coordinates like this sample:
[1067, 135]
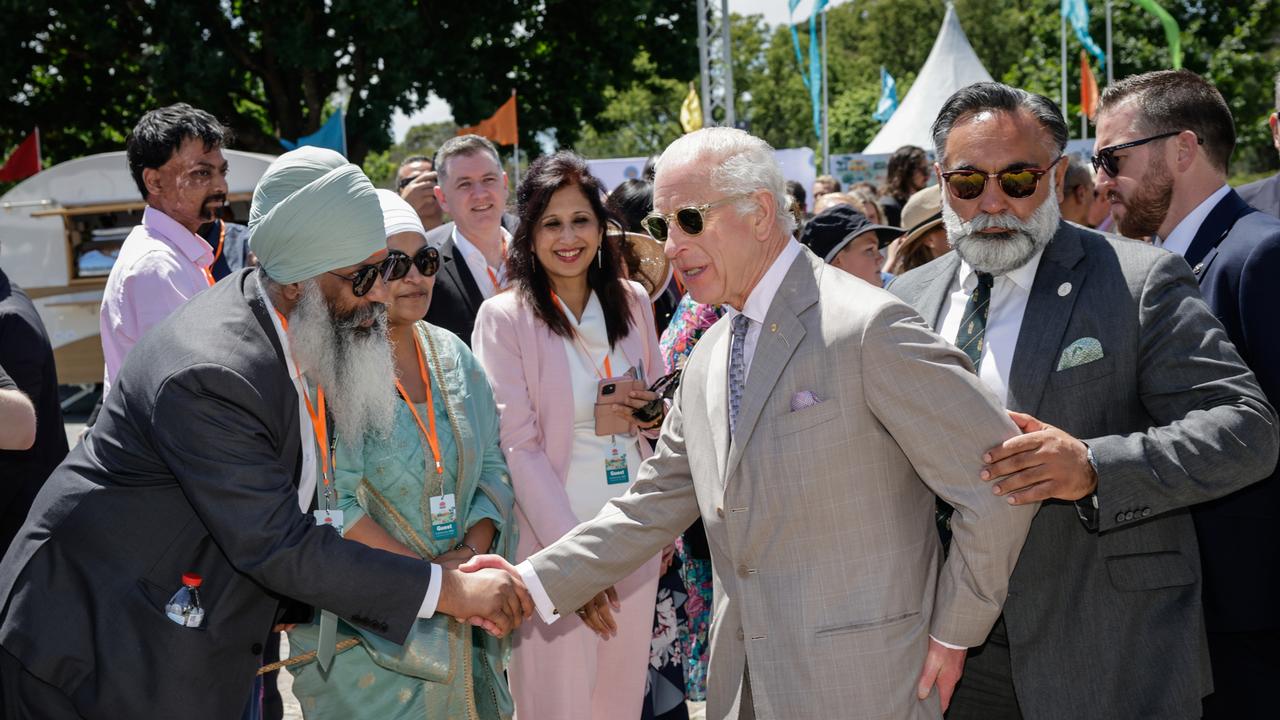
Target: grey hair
[1077, 173]
[740, 164]
[462, 145]
[1000, 97]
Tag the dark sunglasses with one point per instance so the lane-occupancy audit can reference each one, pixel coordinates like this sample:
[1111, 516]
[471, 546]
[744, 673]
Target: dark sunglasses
[1106, 160]
[1021, 183]
[365, 276]
[692, 220]
[665, 386]
[427, 260]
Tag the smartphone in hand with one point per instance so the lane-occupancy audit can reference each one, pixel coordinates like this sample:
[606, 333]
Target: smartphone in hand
[614, 391]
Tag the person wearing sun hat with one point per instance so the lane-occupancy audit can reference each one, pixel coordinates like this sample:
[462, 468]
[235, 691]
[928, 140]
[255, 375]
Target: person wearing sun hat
[924, 238]
[846, 239]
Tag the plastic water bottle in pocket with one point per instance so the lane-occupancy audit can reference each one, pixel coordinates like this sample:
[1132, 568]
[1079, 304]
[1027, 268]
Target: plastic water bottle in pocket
[184, 607]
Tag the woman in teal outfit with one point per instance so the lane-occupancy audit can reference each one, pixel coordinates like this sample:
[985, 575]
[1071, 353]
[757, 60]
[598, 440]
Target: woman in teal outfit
[436, 487]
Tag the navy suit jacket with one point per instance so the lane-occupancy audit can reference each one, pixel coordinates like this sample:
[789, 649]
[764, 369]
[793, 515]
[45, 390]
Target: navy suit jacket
[1263, 195]
[456, 298]
[1236, 258]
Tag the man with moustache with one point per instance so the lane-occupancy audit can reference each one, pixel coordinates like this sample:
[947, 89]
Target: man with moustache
[1134, 406]
[1165, 139]
[209, 455]
[416, 181]
[175, 157]
[472, 188]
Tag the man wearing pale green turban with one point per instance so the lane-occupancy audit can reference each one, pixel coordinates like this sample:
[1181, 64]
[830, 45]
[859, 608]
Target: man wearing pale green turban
[210, 468]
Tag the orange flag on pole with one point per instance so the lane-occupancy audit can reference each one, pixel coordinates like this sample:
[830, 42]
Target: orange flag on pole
[24, 161]
[501, 128]
[1088, 88]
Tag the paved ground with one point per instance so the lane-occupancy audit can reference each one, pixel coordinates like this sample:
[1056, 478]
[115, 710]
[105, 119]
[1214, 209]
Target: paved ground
[697, 711]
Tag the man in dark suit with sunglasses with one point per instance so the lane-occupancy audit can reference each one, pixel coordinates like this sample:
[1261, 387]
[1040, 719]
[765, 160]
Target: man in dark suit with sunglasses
[1134, 406]
[1175, 188]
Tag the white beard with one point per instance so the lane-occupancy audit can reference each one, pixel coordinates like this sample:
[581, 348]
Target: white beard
[1000, 254]
[354, 365]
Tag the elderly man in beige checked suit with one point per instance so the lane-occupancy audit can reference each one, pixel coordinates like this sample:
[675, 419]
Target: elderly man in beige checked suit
[813, 427]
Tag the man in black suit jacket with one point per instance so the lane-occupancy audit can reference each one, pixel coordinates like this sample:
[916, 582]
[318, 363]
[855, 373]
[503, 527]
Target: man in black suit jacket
[1234, 252]
[201, 461]
[26, 355]
[1265, 194]
[472, 188]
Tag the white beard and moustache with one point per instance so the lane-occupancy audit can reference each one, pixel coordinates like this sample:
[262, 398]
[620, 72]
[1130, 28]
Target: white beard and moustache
[353, 364]
[1002, 253]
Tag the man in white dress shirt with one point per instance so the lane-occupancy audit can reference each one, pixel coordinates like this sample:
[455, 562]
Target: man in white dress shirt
[813, 426]
[1177, 186]
[1134, 406]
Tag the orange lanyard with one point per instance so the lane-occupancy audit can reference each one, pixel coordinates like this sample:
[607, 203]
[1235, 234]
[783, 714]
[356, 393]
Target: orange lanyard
[217, 253]
[493, 277]
[608, 366]
[319, 421]
[430, 434]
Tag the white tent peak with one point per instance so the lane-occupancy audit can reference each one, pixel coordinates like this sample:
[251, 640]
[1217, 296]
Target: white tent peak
[951, 65]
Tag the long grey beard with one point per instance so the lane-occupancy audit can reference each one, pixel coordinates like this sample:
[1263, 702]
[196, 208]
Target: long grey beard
[354, 365]
[999, 254]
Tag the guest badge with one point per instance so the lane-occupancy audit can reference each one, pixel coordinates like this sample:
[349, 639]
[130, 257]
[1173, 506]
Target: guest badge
[444, 516]
[615, 466]
[332, 518]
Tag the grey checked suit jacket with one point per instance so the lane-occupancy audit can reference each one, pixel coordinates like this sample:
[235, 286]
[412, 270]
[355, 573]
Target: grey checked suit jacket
[1106, 621]
[828, 571]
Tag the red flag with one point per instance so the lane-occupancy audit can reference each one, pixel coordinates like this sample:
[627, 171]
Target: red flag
[1088, 88]
[25, 160]
[500, 128]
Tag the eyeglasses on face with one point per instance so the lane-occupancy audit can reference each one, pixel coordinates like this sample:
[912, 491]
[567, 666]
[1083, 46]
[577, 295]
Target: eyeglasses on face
[1106, 160]
[691, 219]
[1020, 183]
[427, 260]
[365, 276]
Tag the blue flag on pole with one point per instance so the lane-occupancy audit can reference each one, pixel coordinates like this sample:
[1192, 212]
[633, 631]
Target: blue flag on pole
[813, 77]
[332, 135]
[888, 97]
[1077, 13]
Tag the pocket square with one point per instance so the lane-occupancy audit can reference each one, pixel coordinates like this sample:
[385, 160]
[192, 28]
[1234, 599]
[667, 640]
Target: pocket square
[1081, 352]
[804, 399]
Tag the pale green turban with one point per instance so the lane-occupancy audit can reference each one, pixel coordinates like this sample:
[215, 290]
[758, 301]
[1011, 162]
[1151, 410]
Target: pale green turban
[313, 212]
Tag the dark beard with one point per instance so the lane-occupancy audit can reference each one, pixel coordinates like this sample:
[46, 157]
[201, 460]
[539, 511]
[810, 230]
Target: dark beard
[1146, 210]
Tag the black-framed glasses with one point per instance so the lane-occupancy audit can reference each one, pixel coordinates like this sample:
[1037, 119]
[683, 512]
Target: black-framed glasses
[365, 276]
[1106, 160]
[692, 219]
[427, 260]
[1021, 183]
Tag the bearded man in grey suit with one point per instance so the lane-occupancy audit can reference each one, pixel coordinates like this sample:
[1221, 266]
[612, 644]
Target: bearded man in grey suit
[1134, 406]
[814, 424]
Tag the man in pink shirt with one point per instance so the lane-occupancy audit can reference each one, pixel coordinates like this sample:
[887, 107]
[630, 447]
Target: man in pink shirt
[175, 156]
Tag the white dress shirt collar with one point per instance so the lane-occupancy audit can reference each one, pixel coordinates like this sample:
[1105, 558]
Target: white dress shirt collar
[1179, 240]
[478, 265]
[761, 297]
[1023, 276]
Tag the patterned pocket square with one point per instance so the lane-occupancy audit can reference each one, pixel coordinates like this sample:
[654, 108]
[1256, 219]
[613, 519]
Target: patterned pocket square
[804, 399]
[1081, 352]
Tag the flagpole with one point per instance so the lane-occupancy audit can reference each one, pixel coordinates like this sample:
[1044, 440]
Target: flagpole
[1110, 75]
[516, 153]
[1063, 96]
[826, 132]
[39, 156]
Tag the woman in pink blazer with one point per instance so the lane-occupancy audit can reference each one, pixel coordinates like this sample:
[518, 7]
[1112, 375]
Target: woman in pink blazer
[570, 320]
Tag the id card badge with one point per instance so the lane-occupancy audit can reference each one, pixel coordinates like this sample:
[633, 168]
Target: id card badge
[332, 518]
[615, 466]
[444, 516]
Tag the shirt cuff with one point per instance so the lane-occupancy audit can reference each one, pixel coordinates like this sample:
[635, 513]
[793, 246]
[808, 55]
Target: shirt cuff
[541, 601]
[947, 645]
[432, 599]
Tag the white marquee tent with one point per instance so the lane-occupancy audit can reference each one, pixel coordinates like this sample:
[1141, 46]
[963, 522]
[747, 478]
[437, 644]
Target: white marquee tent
[952, 64]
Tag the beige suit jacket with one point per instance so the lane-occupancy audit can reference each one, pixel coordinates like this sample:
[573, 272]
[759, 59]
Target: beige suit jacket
[828, 571]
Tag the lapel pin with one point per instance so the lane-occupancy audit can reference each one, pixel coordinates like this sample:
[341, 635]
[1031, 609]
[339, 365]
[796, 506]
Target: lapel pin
[1197, 269]
[1064, 289]
[773, 327]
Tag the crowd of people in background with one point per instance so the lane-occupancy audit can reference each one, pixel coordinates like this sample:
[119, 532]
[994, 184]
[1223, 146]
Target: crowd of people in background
[994, 439]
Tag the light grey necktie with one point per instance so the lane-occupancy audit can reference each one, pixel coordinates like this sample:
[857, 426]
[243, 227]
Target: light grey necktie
[737, 368]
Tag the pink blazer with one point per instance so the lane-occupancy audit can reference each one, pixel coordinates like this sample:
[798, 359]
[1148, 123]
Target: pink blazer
[528, 368]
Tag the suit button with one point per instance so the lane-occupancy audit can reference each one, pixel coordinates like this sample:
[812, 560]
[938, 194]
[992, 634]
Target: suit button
[256, 649]
[741, 636]
[1146, 512]
[1119, 517]
[382, 627]
[720, 512]
[1128, 515]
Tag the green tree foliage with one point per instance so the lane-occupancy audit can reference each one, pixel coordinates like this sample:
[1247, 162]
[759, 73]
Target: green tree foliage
[84, 71]
[421, 140]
